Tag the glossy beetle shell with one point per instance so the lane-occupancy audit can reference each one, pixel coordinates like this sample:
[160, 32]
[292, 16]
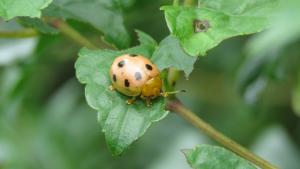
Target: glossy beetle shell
[129, 73]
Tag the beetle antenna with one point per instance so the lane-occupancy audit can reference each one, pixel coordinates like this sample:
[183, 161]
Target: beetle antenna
[166, 94]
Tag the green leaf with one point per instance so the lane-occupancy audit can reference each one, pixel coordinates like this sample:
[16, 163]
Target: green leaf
[216, 21]
[104, 15]
[170, 54]
[147, 43]
[146, 40]
[121, 123]
[167, 54]
[239, 7]
[38, 24]
[214, 157]
[13, 8]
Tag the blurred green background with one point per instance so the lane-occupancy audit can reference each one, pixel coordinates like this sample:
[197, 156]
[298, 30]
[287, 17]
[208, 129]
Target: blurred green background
[247, 87]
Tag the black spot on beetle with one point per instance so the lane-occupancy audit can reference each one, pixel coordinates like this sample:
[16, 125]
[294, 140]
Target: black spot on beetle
[126, 83]
[121, 64]
[149, 67]
[132, 55]
[138, 76]
[200, 26]
[114, 77]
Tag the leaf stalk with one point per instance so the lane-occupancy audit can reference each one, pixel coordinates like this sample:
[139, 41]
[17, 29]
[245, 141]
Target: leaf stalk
[73, 34]
[24, 33]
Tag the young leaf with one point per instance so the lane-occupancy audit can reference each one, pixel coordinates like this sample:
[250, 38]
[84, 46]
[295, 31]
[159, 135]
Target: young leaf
[170, 54]
[121, 123]
[12, 8]
[147, 43]
[167, 54]
[103, 15]
[201, 29]
[214, 157]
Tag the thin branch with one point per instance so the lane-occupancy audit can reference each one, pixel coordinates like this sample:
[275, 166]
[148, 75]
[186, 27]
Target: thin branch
[192, 118]
[173, 75]
[199, 4]
[24, 33]
[188, 2]
[72, 33]
[175, 2]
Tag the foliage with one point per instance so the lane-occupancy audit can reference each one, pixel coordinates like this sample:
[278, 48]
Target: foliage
[114, 115]
[32, 8]
[122, 124]
[267, 62]
[170, 55]
[44, 119]
[207, 157]
[217, 20]
[113, 28]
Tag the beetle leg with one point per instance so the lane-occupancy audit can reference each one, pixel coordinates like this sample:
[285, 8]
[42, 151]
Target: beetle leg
[111, 88]
[148, 101]
[131, 101]
[164, 94]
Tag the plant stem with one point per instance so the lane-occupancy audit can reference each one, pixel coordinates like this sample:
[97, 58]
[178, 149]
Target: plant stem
[179, 108]
[173, 75]
[175, 2]
[72, 33]
[24, 33]
[188, 2]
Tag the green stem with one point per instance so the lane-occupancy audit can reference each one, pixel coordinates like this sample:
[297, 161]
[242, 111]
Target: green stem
[175, 2]
[72, 33]
[188, 2]
[24, 33]
[173, 75]
[191, 117]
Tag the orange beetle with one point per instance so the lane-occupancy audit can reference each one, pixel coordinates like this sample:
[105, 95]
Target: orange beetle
[135, 75]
